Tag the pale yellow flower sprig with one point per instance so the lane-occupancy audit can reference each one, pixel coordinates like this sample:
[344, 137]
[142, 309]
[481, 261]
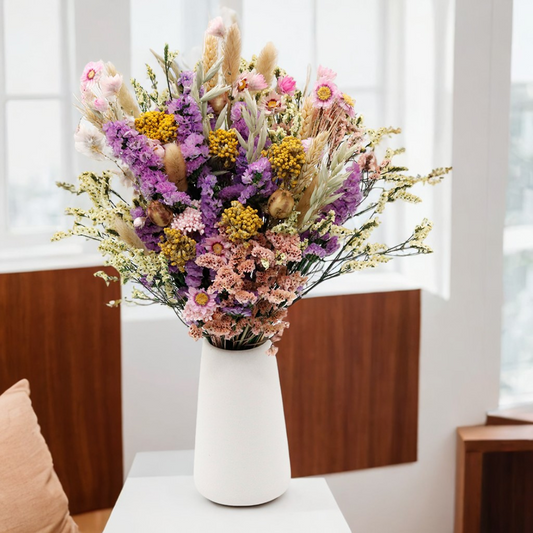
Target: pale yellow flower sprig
[371, 256]
[375, 136]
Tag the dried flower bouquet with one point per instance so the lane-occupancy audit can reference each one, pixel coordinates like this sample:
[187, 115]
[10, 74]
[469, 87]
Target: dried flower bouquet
[241, 185]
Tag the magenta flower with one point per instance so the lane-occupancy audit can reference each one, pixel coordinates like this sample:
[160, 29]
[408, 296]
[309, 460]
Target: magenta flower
[286, 85]
[324, 93]
[200, 306]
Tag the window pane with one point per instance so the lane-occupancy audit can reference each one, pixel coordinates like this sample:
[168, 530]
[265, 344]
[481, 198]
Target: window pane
[342, 27]
[33, 166]
[517, 339]
[32, 63]
[288, 24]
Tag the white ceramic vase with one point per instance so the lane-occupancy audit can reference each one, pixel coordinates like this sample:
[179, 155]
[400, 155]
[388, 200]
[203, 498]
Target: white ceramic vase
[241, 454]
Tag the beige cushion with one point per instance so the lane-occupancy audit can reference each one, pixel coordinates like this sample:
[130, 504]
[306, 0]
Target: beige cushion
[31, 496]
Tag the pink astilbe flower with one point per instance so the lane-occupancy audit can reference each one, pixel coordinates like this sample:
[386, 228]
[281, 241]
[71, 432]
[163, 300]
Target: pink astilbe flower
[190, 221]
[200, 306]
[245, 297]
[226, 280]
[251, 81]
[324, 93]
[195, 332]
[263, 254]
[326, 73]
[211, 261]
[286, 85]
[286, 245]
[368, 162]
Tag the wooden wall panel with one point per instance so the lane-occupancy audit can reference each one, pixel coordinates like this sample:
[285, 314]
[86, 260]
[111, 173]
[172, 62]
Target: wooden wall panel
[507, 501]
[349, 376]
[56, 331]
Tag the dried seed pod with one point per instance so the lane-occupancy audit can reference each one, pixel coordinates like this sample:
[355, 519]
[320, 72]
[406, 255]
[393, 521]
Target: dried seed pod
[159, 213]
[218, 103]
[280, 204]
[175, 166]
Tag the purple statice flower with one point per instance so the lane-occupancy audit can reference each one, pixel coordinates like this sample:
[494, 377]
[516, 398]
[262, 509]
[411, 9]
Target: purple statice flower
[195, 152]
[209, 204]
[314, 249]
[256, 180]
[186, 80]
[187, 115]
[347, 204]
[193, 274]
[237, 121]
[320, 245]
[134, 149]
[236, 309]
[259, 174]
[149, 233]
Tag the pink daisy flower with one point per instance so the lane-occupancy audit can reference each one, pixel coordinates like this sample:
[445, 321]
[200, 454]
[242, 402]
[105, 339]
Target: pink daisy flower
[200, 306]
[217, 246]
[346, 102]
[286, 85]
[91, 73]
[327, 73]
[324, 93]
[250, 81]
[272, 103]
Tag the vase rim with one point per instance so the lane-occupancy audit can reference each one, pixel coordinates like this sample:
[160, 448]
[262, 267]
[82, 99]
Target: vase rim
[261, 348]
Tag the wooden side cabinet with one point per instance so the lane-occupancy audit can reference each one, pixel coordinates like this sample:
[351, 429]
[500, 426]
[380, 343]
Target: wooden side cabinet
[494, 482]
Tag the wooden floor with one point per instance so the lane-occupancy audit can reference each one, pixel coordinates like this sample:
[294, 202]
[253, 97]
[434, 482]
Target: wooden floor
[93, 522]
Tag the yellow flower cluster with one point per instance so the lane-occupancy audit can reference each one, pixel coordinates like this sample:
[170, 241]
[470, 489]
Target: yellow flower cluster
[224, 145]
[240, 222]
[177, 248]
[157, 125]
[287, 159]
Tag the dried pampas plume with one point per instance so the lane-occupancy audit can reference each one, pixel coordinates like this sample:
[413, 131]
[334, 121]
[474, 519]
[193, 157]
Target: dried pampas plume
[266, 62]
[209, 58]
[175, 166]
[127, 234]
[126, 100]
[232, 54]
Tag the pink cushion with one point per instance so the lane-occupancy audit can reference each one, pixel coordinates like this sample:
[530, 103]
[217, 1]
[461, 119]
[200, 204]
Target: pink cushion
[31, 496]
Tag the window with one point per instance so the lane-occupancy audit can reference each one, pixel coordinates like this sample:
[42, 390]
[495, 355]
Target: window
[517, 336]
[34, 110]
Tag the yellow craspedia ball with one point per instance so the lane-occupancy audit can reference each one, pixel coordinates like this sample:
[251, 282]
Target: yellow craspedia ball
[157, 125]
[224, 145]
[287, 159]
[177, 247]
[239, 222]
